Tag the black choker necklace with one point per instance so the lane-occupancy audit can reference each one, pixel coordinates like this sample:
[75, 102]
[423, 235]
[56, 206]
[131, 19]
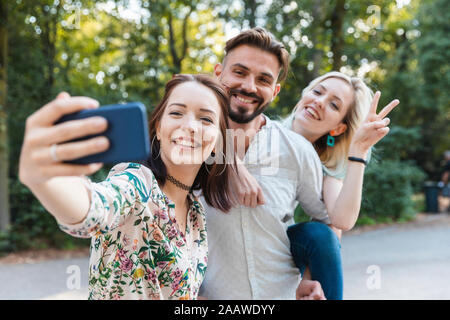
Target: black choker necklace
[178, 183]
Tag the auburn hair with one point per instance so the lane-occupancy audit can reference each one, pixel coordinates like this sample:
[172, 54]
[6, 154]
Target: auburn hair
[212, 178]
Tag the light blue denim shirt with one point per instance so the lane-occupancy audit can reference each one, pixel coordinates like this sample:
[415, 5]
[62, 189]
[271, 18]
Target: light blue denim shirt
[249, 251]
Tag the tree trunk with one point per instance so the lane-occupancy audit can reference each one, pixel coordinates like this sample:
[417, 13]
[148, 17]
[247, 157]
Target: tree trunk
[173, 50]
[4, 194]
[178, 58]
[337, 39]
[250, 8]
[316, 31]
[48, 38]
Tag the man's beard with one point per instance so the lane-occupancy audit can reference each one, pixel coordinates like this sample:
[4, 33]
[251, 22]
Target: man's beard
[240, 115]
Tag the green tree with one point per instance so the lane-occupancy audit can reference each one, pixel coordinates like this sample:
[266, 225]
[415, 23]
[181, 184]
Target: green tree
[32, 68]
[4, 161]
[87, 49]
[420, 77]
[433, 96]
[92, 48]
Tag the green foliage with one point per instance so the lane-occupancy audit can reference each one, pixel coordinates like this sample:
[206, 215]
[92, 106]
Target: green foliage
[32, 226]
[389, 193]
[399, 143]
[300, 215]
[391, 184]
[79, 47]
[420, 77]
[388, 190]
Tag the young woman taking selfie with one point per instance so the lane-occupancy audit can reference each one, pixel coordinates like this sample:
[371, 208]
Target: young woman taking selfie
[147, 228]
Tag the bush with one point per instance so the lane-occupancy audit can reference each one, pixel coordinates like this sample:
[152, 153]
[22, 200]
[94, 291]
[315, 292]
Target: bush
[389, 193]
[32, 227]
[388, 190]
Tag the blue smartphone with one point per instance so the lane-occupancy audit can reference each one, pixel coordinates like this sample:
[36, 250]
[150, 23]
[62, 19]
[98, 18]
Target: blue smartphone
[127, 133]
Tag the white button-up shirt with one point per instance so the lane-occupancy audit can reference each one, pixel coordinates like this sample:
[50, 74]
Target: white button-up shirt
[249, 250]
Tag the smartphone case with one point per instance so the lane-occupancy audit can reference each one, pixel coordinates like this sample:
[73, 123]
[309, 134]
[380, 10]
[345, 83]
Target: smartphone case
[127, 133]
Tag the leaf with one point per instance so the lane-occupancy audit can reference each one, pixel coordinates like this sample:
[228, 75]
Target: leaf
[142, 250]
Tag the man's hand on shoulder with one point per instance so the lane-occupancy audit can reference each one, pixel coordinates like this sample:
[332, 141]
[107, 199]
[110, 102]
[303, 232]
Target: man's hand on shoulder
[309, 290]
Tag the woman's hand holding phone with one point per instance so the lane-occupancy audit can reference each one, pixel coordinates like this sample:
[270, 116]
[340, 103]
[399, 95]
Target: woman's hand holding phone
[46, 145]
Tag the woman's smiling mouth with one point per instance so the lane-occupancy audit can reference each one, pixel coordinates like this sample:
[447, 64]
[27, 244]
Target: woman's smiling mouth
[310, 111]
[186, 143]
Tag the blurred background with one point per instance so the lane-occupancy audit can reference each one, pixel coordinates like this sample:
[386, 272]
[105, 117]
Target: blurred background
[117, 51]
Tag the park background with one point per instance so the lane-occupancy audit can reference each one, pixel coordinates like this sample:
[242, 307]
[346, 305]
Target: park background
[118, 51]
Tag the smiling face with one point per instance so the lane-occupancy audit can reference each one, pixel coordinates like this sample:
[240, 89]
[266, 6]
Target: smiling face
[250, 76]
[189, 126]
[322, 109]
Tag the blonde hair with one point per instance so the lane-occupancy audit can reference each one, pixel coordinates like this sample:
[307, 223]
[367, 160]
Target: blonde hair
[335, 158]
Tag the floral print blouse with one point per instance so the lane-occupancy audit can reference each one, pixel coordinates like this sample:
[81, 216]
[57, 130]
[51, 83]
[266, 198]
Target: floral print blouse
[137, 250]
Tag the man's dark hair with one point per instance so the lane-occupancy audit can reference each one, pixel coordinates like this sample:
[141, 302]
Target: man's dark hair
[264, 40]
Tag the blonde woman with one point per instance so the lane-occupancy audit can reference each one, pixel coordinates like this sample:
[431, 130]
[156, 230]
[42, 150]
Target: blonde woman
[338, 115]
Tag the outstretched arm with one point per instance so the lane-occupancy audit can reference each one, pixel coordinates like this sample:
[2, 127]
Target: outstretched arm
[343, 199]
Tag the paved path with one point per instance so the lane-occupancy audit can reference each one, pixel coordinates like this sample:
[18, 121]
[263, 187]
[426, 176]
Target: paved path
[44, 280]
[409, 261]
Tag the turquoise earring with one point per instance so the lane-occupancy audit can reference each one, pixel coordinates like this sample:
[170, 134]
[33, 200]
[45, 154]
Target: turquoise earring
[330, 141]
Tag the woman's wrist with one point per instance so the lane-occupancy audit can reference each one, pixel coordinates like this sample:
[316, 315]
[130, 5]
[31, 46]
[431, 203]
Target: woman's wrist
[358, 152]
[359, 160]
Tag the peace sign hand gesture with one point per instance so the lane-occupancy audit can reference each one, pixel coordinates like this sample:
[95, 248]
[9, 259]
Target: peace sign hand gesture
[373, 128]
